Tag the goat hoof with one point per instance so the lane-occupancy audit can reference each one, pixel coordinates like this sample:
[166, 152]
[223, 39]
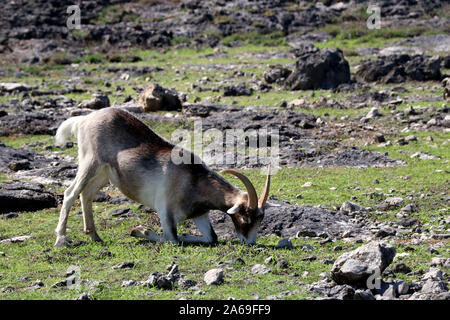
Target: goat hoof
[62, 241]
[138, 232]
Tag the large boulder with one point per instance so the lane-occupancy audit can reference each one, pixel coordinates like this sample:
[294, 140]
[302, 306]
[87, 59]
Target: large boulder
[355, 267]
[400, 68]
[17, 196]
[319, 69]
[155, 98]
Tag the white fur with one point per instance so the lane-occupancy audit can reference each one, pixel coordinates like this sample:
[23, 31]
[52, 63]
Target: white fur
[66, 130]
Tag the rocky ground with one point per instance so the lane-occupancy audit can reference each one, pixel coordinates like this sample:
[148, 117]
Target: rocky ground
[363, 124]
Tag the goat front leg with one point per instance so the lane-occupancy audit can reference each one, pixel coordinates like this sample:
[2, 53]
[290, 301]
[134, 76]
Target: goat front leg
[205, 227]
[169, 227]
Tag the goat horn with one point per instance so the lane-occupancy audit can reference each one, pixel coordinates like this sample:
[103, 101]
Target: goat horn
[265, 194]
[252, 197]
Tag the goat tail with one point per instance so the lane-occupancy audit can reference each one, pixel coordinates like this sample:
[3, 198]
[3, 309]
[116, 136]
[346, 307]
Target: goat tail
[67, 129]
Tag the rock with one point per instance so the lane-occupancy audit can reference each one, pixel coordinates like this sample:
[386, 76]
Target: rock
[331, 290]
[269, 260]
[284, 244]
[38, 284]
[159, 281]
[294, 220]
[434, 287]
[84, 296]
[121, 212]
[402, 288]
[123, 265]
[11, 87]
[128, 283]
[433, 274]
[98, 101]
[323, 69]
[373, 113]
[7, 289]
[237, 90]
[393, 202]
[214, 276]
[409, 208]
[28, 123]
[261, 269]
[385, 231]
[401, 268]
[155, 98]
[399, 68]
[356, 266]
[19, 165]
[446, 85]
[277, 74]
[185, 283]
[282, 263]
[424, 156]
[17, 239]
[440, 262]
[349, 208]
[363, 295]
[390, 293]
[17, 196]
[102, 197]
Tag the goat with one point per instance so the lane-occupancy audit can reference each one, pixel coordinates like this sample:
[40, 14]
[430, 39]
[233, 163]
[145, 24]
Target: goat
[114, 146]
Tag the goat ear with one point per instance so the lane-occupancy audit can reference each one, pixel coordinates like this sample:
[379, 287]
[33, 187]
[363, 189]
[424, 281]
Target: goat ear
[234, 209]
[270, 204]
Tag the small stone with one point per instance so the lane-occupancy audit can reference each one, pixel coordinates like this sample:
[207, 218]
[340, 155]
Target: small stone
[268, 260]
[84, 296]
[185, 283]
[284, 244]
[119, 212]
[260, 269]
[373, 113]
[401, 268]
[394, 201]
[159, 281]
[282, 264]
[403, 288]
[128, 283]
[214, 277]
[349, 207]
[433, 274]
[410, 138]
[123, 265]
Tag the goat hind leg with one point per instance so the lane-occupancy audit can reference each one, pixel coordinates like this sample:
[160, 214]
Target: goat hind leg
[86, 197]
[83, 176]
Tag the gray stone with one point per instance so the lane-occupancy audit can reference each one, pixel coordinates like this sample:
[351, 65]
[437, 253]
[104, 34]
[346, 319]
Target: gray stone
[433, 274]
[349, 207]
[260, 269]
[214, 277]
[363, 295]
[356, 266]
[123, 265]
[84, 296]
[98, 101]
[434, 286]
[284, 244]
